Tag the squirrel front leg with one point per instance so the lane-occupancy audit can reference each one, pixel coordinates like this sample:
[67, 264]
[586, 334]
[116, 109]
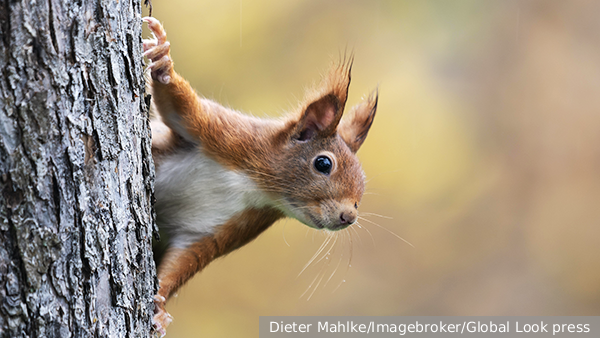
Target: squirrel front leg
[177, 267]
[180, 264]
[173, 97]
[224, 133]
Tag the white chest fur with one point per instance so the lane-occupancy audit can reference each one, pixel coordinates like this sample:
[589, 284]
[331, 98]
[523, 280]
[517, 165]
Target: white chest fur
[195, 194]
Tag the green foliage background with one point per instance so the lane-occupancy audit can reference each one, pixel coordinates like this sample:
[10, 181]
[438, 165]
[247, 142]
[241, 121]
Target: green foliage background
[485, 155]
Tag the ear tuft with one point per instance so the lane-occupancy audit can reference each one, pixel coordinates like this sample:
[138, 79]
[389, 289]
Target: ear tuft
[355, 127]
[323, 108]
[320, 118]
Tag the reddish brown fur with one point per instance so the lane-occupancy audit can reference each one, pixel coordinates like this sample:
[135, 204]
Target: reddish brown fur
[179, 265]
[276, 154]
[240, 141]
[236, 140]
[354, 128]
[244, 142]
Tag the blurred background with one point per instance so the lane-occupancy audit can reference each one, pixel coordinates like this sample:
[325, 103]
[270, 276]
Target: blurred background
[485, 156]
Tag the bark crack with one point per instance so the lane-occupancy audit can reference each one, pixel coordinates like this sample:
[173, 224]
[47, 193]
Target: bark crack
[51, 26]
[19, 266]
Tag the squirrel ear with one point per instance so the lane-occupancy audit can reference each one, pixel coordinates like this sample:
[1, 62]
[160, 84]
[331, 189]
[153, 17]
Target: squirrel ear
[320, 118]
[326, 105]
[355, 127]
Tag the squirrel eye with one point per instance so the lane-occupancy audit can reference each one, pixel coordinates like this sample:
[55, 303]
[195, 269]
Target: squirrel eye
[323, 164]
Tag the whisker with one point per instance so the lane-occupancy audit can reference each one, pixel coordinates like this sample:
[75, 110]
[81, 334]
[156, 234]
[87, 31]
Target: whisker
[377, 215]
[321, 248]
[351, 249]
[316, 286]
[383, 173]
[283, 232]
[309, 287]
[349, 237]
[338, 286]
[335, 270]
[326, 255]
[356, 232]
[360, 226]
[264, 174]
[388, 230]
[322, 271]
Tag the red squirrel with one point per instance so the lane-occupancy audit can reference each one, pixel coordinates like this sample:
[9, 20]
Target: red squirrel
[223, 177]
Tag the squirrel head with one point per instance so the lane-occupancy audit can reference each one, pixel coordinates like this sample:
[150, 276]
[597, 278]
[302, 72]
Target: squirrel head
[316, 173]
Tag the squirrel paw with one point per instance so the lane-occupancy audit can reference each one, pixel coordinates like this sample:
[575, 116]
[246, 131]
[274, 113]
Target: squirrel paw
[157, 51]
[161, 318]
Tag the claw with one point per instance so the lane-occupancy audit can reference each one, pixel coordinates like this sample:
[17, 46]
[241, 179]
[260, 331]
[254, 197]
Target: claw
[149, 43]
[160, 69]
[161, 318]
[156, 28]
[159, 330]
[157, 51]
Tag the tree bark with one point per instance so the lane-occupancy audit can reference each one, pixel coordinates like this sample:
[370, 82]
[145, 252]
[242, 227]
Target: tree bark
[76, 171]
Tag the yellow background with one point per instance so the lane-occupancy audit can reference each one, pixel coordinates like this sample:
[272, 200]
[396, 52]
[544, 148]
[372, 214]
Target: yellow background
[485, 155]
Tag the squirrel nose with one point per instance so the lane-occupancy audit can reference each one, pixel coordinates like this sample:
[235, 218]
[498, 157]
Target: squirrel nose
[347, 217]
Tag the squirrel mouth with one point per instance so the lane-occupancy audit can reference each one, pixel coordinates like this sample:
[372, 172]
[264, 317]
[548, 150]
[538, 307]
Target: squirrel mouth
[316, 222]
[295, 211]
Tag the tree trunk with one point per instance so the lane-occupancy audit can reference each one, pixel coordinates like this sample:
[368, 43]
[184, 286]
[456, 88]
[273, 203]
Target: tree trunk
[76, 171]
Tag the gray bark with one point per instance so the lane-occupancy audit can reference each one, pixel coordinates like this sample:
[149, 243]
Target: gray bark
[76, 171]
